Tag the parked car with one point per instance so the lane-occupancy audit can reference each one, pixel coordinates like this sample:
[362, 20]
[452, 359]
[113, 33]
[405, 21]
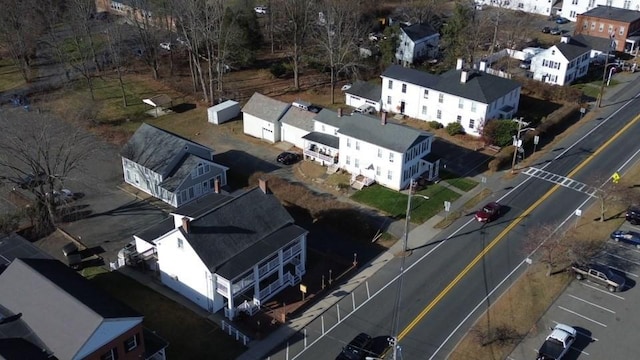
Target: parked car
[546, 30]
[630, 237]
[365, 109]
[30, 181]
[556, 31]
[356, 349]
[62, 196]
[345, 87]
[166, 46]
[525, 64]
[489, 212]
[288, 158]
[599, 274]
[562, 20]
[262, 10]
[633, 215]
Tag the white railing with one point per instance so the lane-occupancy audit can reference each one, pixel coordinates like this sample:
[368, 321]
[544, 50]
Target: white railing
[317, 155]
[249, 307]
[265, 269]
[292, 251]
[235, 333]
[275, 286]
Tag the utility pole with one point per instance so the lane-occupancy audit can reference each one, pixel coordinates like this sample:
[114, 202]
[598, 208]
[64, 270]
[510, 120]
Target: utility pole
[516, 144]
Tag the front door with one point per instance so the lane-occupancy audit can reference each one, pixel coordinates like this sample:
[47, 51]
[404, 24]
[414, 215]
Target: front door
[402, 107]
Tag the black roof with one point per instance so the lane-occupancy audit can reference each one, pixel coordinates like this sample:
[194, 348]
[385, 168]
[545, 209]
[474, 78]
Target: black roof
[613, 13]
[14, 246]
[322, 138]
[412, 76]
[21, 349]
[417, 32]
[366, 90]
[156, 230]
[203, 204]
[594, 42]
[572, 49]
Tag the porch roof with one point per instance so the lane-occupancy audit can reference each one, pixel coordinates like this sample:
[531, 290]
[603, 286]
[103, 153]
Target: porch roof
[324, 139]
[431, 158]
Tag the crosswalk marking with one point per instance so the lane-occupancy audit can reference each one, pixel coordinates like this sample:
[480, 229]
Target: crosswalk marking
[560, 180]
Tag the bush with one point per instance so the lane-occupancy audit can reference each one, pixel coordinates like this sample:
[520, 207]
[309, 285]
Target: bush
[454, 129]
[499, 132]
[502, 160]
[435, 125]
[278, 70]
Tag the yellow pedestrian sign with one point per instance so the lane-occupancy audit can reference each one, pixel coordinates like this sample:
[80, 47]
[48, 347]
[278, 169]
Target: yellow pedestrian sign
[615, 177]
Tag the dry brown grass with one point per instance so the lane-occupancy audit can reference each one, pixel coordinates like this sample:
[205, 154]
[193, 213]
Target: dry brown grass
[526, 301]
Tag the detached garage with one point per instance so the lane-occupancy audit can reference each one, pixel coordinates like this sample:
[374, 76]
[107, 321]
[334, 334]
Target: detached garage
[261, 117]
[363, 93]
[296, 123]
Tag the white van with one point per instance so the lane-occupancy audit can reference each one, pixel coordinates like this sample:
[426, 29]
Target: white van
[301, 105]
[365, 109]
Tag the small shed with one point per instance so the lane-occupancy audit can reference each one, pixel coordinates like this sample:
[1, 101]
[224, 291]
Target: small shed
[160, 103]
[223, 112]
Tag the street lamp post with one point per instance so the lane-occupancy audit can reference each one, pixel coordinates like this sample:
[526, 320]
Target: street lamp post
[517, 142]
[610, 72]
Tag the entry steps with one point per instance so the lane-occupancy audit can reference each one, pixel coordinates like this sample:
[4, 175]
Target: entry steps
[561, 180]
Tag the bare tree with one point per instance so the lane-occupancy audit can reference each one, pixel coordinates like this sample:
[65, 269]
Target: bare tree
[49, 150]
[147, 33]
[547, 241]
[19, 28]
[296, 31]
[337, 41]
[117, 57]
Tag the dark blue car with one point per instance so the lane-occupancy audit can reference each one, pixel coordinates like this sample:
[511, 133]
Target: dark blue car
[630, 237]
[562, 20]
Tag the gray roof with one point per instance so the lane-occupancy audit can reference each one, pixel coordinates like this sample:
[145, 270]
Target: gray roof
[480, 86]
[418, 32]
[596, 43]
[299, 118]
[17, 339]
[573, 49]
[322, 138]
[15, 246]
[366, 90]
[265, 108]
[411, 76]
[184, 167]
[240, 229]
[154, 231]
[63, 308]
[613, 13]
[160, 150]
[390, 136]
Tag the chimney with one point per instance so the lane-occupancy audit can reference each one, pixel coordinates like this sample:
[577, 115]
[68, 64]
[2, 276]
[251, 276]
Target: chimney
[339, 112]
[383, 118]
[483, 66]
[459, 64]
[186, 224]
[464, 75]
[216, 186]
[565, 39]
[264, 186]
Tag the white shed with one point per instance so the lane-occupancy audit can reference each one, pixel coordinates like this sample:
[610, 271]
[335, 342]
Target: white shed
[223, 112]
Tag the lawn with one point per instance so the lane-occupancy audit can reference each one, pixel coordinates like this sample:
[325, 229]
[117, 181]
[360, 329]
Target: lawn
[464, 184]
[395, 203]
[189, 335]
[10, 77]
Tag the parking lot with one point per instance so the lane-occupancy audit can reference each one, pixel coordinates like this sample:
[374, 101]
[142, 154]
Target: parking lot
[606, 322]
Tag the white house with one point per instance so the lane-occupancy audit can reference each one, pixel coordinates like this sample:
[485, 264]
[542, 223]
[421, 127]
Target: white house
[415, 42]
[371, 149]
[295, 124]
[363, 93]
[170, 167]
[571, 9]
[467, 96]
[229, 253]
[562, 63]
[541, 7]
[261, 117]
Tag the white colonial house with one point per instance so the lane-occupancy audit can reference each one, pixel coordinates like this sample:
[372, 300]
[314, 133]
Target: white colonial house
[363, 93]
[571, 9]
[541, 7]
[562, 63]
[371, 149]
[228, 253]
[170, 167]
[416, 42]
[469, 97]
[261, 117]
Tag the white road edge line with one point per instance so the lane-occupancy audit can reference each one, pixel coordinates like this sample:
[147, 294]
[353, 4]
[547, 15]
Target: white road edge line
[623, 258]
[592, 304]
[602, 291]
[615, 268]
[582, 316]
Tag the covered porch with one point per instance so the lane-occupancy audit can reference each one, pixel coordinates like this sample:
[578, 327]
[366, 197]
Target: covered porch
[322, 148]
[430, 167]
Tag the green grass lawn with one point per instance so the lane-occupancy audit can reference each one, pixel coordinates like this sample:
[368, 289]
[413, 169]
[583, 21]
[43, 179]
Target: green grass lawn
[395, 203]
[189, 335]
[10, 77]
[464, 184]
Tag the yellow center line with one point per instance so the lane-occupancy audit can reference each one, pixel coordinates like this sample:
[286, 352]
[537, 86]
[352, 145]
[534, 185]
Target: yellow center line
[506, 230]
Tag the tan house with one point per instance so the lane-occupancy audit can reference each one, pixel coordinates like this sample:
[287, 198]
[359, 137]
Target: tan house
[619, 26]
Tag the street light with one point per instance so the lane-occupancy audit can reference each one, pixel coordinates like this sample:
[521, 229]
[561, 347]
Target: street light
[517, 143]
[613, 68]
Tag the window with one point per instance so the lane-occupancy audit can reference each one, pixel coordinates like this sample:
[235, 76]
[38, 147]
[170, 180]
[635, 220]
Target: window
[459, 119]
[627, 5]
[426, 94]
[389, 100]
[378, 170]
[379, 152]
[357, 145]
[611, 29]
[390, 157]
[390, 85]
[439, 114]
[180, 244]
[348, 160]
[322, 127]
[348, 142]
[390, 175]
[572, 14]
[200, 169]
[473, 107]
[593, 25]
[460, 104]
[584, 25]
[131, 343]
[472, 123]
[191, 195]
[621, 30]
[404, 88]
[441, 98]
[110, 355]
[601, 27]
[357, 163]
[424, 109]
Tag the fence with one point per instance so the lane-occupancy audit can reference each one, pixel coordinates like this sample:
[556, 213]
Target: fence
[235, 333]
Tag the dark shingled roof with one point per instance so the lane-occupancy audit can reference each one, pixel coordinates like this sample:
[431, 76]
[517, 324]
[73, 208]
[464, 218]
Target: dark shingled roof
[480, 86]
[203, 204]
[15, 246]
[299, 118]
[156, 230]
[417, 32]
[366, 90]
[325, 139]
[265, 108]
[411, 76]
[613, 13]
[596, 43]
[180, 172]
[238, 228]
[573, 49]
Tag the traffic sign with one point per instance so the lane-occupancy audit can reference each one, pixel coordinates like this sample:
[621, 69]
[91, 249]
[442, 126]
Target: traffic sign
[447, 205]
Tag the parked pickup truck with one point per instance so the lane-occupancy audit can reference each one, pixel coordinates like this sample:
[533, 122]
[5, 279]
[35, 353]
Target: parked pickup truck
[599, 274]
[557, 343]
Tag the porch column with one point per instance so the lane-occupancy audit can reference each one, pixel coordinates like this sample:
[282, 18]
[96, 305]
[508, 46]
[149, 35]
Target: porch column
[229, 295]
[256, 282]
[280, 265]
[303, 250]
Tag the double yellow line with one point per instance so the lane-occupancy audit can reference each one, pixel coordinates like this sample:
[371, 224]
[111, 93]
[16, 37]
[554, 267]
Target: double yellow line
[506, 230]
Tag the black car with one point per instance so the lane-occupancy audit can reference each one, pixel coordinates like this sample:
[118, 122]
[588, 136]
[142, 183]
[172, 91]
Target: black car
[288, 158]
[30, 181]
[633, 215]
[356, 349]
[546, 30]
[556, 31]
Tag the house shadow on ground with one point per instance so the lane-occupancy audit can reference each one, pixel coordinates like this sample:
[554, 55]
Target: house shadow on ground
[237, 160]
[460, 160]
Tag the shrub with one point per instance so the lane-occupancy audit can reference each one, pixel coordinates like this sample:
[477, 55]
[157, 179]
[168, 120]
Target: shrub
[278, 69]
[435, 125]
[502, 160]
[499, 132]
[454, 129]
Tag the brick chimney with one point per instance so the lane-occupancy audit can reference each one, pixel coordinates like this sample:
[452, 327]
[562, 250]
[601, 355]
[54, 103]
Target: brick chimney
[339, 112]
[216, 186]
[459, 64]
[186, 224]
[464, 76]
[383, 118]
[264, 186]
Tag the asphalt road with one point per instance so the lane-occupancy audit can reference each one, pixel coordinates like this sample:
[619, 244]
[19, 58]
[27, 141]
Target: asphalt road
[433, 270]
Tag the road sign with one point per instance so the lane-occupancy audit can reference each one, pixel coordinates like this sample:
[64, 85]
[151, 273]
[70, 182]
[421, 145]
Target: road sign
[578, 212]
[447, 205]
[484, 179]
[536, 140]
[615, 177]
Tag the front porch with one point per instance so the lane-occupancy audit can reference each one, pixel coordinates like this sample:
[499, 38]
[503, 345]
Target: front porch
[321, 147]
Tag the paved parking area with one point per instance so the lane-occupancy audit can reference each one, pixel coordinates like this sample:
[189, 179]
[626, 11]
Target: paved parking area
[607, 323]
